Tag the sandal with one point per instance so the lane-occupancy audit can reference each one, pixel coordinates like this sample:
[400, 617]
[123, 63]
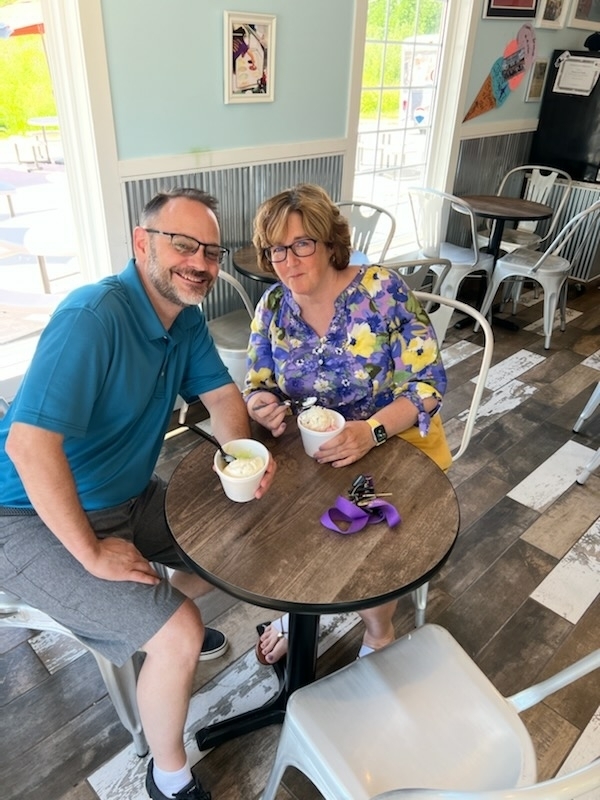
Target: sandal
[278, 625]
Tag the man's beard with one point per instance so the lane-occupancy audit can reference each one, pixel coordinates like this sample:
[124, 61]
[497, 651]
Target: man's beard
[160, 279]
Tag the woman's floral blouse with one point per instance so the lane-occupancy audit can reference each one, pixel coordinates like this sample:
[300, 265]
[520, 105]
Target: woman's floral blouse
[380, 346]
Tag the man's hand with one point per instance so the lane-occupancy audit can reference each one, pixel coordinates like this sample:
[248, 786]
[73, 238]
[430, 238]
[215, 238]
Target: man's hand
[267, 478]
[118, 560]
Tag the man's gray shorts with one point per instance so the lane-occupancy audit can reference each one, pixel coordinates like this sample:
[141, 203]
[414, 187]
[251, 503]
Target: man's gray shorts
[114, 617]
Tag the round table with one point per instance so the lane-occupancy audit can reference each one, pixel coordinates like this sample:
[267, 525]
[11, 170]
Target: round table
[275, 552]
[245, 261]
[501, 209]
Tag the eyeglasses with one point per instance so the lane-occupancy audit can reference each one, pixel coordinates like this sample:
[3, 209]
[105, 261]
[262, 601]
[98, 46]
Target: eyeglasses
[301, 248]
[187, 246]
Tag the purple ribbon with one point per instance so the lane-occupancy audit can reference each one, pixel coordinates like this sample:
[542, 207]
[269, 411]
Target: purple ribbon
[358, 518]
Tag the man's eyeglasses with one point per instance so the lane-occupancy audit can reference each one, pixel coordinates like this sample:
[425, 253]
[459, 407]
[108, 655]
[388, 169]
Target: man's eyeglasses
[187, 246]
[300, 248]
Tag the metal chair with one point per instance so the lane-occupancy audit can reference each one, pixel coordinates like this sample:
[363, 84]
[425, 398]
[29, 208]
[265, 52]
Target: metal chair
[549, 268]
[440, 319]
[433, 212]
[414, 272]
[370, 225]
[120, 681]
[532, 182]
[589, 408]
[420, 713]
[230, 333]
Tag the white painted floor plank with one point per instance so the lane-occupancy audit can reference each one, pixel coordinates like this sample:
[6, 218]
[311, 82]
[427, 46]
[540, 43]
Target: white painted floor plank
[505, 399]
[459, 351]
[241, 687]
[538, 325]
[55, 650]
[585, 750]
[552, 478]
[510, 368]
[529, 299]
[574, 583]
[592, 361]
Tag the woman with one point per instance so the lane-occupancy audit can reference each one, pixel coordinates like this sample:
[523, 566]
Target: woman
[355, 337]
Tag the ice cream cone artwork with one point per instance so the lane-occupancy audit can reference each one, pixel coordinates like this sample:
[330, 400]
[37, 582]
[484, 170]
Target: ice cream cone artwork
[506, 73]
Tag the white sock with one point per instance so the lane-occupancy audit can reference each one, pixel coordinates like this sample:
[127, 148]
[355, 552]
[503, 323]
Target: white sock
[169, 783]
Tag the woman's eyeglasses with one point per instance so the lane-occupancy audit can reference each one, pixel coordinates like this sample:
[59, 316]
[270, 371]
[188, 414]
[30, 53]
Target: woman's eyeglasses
[300, 248]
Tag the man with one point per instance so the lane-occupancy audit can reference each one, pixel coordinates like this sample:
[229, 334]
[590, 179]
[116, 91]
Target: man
[81, 515]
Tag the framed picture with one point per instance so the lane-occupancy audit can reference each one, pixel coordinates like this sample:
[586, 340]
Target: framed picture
[551, 13]
[585, 14]
[249, 57]
[537, 78]
[503, 9]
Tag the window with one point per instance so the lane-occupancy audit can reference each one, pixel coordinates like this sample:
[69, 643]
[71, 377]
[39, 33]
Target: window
[402, 70]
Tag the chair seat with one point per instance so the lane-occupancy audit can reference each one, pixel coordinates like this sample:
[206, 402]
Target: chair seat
[463, 257]
[231, 331]
[521, 238]
[411, 693]
[522, 261]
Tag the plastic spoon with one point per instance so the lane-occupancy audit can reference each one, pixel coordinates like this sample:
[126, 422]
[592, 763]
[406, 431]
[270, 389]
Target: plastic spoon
[227, 457]
[296, 405]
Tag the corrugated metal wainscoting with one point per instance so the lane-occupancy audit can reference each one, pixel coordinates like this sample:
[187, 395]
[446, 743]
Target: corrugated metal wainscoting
[239, 190]
[482, 164]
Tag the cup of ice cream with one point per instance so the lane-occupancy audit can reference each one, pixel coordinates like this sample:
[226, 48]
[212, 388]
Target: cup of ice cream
[317, 425]
[241, 478]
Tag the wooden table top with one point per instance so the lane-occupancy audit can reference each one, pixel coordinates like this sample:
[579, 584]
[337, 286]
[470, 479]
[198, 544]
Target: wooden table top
[246, 262]
[274, 552]
[494, 206]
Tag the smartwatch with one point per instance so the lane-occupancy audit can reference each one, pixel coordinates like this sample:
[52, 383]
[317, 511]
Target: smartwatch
[378, 431]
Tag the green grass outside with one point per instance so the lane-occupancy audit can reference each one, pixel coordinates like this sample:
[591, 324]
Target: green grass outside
[25, 85]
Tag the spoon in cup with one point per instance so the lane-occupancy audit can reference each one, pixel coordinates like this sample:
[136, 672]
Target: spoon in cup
[295, 405]
[227, 457]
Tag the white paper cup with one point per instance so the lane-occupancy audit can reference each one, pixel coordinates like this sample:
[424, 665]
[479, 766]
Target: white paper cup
[241, 490]
[312, 440]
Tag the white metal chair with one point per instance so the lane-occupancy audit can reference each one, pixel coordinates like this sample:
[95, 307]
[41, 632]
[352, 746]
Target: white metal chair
[420, 713]
[120, 681]
[433, 212]
[230, 333]
[532, 182]
[372, 228]
[414, 272]
[440, 319]
[549, 268]
[589, 408]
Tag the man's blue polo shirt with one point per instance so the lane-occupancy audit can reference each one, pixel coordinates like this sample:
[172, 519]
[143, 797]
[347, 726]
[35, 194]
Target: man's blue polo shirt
[106, 374]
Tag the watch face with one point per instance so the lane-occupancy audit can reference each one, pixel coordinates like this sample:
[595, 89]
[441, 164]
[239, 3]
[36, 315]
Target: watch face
[380, 434]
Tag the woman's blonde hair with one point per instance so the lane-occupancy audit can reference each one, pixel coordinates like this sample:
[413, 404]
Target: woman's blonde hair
[321, 220]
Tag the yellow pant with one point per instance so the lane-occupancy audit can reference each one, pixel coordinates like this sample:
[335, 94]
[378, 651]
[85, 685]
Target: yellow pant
[434, 444]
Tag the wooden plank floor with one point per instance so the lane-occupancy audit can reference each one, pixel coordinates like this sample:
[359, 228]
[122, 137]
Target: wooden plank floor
[520, 591]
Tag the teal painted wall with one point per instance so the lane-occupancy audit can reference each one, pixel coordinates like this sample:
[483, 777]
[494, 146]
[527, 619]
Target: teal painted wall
[165, 61]
[491, 38]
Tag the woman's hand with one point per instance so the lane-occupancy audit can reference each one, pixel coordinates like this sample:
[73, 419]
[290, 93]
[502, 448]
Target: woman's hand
[266, 409]
[352, 443]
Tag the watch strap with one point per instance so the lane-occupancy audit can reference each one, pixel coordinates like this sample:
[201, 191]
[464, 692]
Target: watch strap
[378, 431]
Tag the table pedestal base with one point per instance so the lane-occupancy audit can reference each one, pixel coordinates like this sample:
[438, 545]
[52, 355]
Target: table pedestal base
[299, 670]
